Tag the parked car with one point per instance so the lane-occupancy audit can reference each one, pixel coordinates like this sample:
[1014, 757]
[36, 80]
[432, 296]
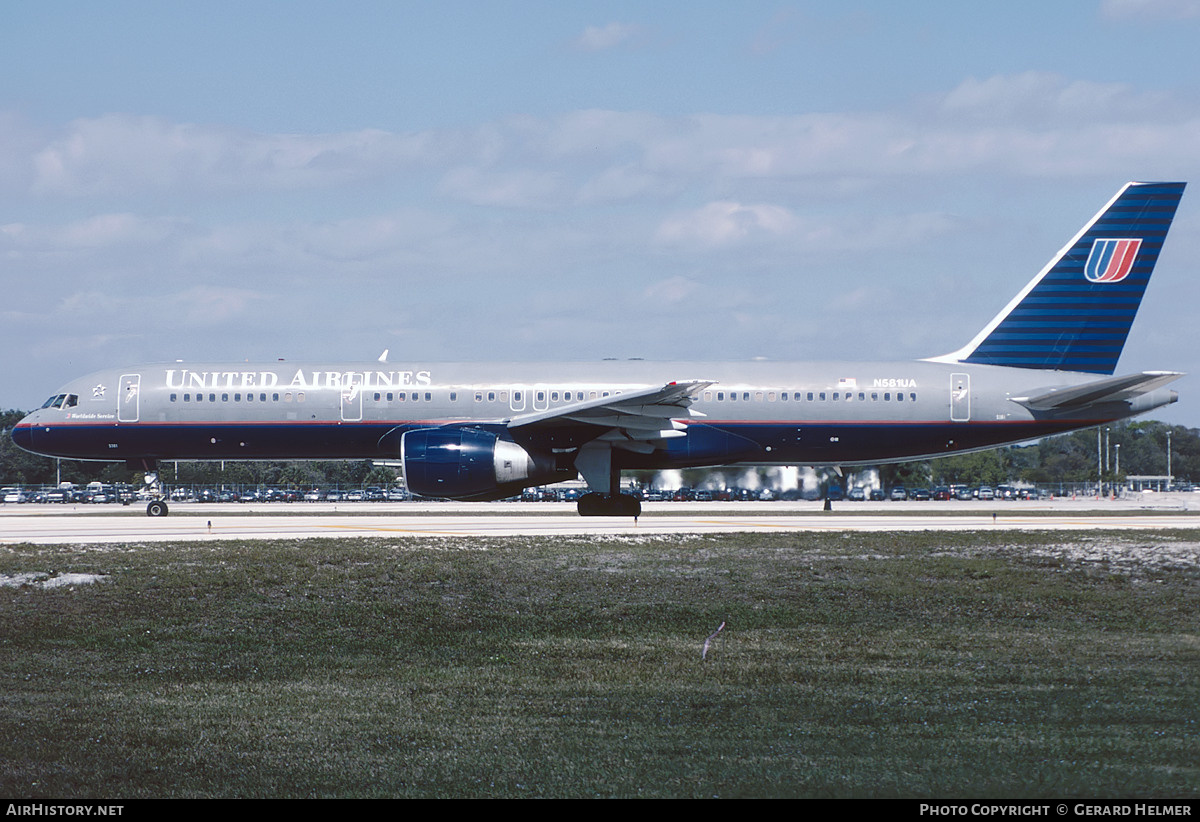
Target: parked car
[899, 494]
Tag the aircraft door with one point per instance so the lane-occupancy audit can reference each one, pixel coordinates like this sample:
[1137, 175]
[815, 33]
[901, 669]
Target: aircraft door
[960, 397]
[128, 398]
[517, 399]
[352, 395]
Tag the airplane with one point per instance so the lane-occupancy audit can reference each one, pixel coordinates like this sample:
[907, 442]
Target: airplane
[1044, 365]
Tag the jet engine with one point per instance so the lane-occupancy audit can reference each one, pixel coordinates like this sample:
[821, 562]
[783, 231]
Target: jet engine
[470, 464]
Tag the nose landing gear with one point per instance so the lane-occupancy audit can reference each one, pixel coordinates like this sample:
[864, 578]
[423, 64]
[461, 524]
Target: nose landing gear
[158, 503]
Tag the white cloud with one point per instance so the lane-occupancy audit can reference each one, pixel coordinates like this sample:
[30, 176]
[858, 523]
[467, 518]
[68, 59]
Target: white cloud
[515, 188]
[609, 36]
[1151, 9]
[725, 223]
[670, 291]
[1028, 123]
[1035, 97]
[98, 232]
[122, 153]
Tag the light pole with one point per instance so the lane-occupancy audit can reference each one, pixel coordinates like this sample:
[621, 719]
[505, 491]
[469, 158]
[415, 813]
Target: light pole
[1117, 473]
[1168, 459]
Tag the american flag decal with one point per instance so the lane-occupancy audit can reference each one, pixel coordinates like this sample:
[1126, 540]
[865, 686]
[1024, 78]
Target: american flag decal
[1110, 261]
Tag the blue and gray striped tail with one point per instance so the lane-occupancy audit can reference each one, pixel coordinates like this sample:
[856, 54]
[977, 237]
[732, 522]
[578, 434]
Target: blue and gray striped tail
[1077, 312]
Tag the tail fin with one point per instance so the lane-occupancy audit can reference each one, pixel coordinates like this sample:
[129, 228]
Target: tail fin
[1076, 313]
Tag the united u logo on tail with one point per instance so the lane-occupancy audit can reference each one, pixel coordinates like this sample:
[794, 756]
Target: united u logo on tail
[1110, 261]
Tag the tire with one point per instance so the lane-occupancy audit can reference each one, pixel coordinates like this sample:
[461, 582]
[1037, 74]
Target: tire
[158, 508]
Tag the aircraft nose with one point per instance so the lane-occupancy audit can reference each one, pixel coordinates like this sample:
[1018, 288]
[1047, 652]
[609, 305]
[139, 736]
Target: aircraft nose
[22, 434]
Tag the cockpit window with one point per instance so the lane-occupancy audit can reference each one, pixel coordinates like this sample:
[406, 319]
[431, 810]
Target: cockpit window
[62, 401]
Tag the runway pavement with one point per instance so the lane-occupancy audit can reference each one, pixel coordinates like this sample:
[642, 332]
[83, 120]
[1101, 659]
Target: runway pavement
[65, 524]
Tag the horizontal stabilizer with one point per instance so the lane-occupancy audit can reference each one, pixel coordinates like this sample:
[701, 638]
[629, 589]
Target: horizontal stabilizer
[1111, 389]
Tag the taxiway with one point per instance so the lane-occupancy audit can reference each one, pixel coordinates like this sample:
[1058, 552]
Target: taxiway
[53, 524]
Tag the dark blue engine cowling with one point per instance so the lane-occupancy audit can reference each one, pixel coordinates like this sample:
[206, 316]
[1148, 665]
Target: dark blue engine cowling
[467, 464]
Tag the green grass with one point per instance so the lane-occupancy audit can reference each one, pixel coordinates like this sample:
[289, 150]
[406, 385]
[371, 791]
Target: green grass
[914, 665]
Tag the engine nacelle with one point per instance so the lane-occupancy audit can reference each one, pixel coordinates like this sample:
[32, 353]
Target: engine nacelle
[468, 464]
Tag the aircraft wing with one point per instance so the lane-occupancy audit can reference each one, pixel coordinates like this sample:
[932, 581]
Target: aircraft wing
[1110, 389]
[633, 420]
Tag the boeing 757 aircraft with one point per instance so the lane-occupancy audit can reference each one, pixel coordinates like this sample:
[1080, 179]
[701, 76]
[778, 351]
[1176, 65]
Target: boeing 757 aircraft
[1043, 366]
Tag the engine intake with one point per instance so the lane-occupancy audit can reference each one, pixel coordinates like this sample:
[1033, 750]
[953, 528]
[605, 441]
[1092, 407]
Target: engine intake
[468, 464]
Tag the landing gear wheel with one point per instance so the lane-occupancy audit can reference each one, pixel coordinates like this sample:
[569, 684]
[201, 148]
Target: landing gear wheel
[605, 505]
[158, 508]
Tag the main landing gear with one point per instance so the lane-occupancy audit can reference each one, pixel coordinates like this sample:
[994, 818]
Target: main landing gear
[595, 462]
[609, 505]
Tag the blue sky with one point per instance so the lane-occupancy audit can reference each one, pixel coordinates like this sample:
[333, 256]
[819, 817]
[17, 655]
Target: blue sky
[526, 180]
